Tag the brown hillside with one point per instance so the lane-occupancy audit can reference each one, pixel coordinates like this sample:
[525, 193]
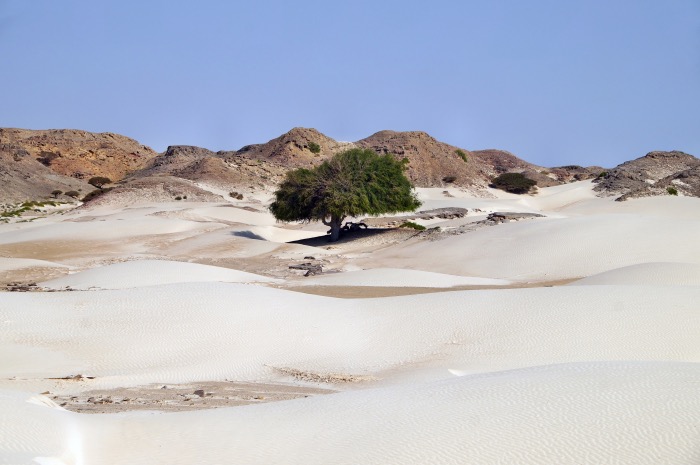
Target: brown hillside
[502, 161]
[433, 163]
[80, 154]
[152, 189]
[430, 162]
[23, 178]
[224, 169]
[293, 149]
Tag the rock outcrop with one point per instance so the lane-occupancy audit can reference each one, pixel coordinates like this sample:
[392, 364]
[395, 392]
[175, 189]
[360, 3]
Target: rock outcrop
[572, 173]
[651, 175]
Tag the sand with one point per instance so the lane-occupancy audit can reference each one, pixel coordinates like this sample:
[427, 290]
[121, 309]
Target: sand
[566, 339]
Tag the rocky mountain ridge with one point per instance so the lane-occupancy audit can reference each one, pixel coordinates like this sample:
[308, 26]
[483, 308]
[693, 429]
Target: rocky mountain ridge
[35, 163]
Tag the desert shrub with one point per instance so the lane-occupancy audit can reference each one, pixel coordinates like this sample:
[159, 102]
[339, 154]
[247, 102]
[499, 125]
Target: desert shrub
[602, 175]
[314, 147]
[178, 198]
[9, 213]
[672, 190]
[236, 195]
[73, 194]
[45, 158]
[99, 181]
[412, 225]
[449, 179]
[184, 197]
[94, 194]
[462, 154]
[56, 193]
[17, 210]
[515, 183]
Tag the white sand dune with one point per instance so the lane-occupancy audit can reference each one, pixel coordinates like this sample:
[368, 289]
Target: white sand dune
[189, 331]
[556, 248]
[645, 274]
[10, 264]
[605, 370]
[388, 277]
[149, 273]
[617, 413]
[109, 228]
[229, 213]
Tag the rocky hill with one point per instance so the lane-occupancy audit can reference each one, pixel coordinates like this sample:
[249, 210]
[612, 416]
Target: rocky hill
[430, 162]
[38, 162]
[23, 178]
[35, 163]
[300, 147]
[652, 174]
[80, 154]
[223, 169]
[433, 163]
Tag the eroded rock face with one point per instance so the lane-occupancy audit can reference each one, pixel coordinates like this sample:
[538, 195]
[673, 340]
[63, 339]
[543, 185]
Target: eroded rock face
[651, 175]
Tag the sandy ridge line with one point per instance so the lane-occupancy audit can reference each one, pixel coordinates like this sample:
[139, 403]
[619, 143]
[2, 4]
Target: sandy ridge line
[370, 292]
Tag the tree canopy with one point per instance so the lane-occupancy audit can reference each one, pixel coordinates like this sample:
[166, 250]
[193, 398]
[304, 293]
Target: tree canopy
[352, 183]
[99, 181]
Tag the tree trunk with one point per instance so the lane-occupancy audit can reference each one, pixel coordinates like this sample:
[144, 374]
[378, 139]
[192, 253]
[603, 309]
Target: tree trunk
[335, 223]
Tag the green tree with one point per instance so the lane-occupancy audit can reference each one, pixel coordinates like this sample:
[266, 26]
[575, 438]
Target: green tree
[99, 181]
[352, 183]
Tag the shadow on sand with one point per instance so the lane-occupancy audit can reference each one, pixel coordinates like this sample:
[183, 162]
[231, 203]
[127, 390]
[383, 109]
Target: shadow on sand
[350, 236]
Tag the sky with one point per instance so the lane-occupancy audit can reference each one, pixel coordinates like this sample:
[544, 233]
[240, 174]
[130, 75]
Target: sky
[554, 82]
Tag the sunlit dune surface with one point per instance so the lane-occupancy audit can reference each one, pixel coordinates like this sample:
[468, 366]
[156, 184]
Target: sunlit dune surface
[189, 333]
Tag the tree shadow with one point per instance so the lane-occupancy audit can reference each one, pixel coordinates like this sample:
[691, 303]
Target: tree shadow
[248, 235]
[348, 236]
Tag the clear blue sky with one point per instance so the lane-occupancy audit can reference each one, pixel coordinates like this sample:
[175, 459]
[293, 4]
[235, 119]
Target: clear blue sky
[553, 81]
